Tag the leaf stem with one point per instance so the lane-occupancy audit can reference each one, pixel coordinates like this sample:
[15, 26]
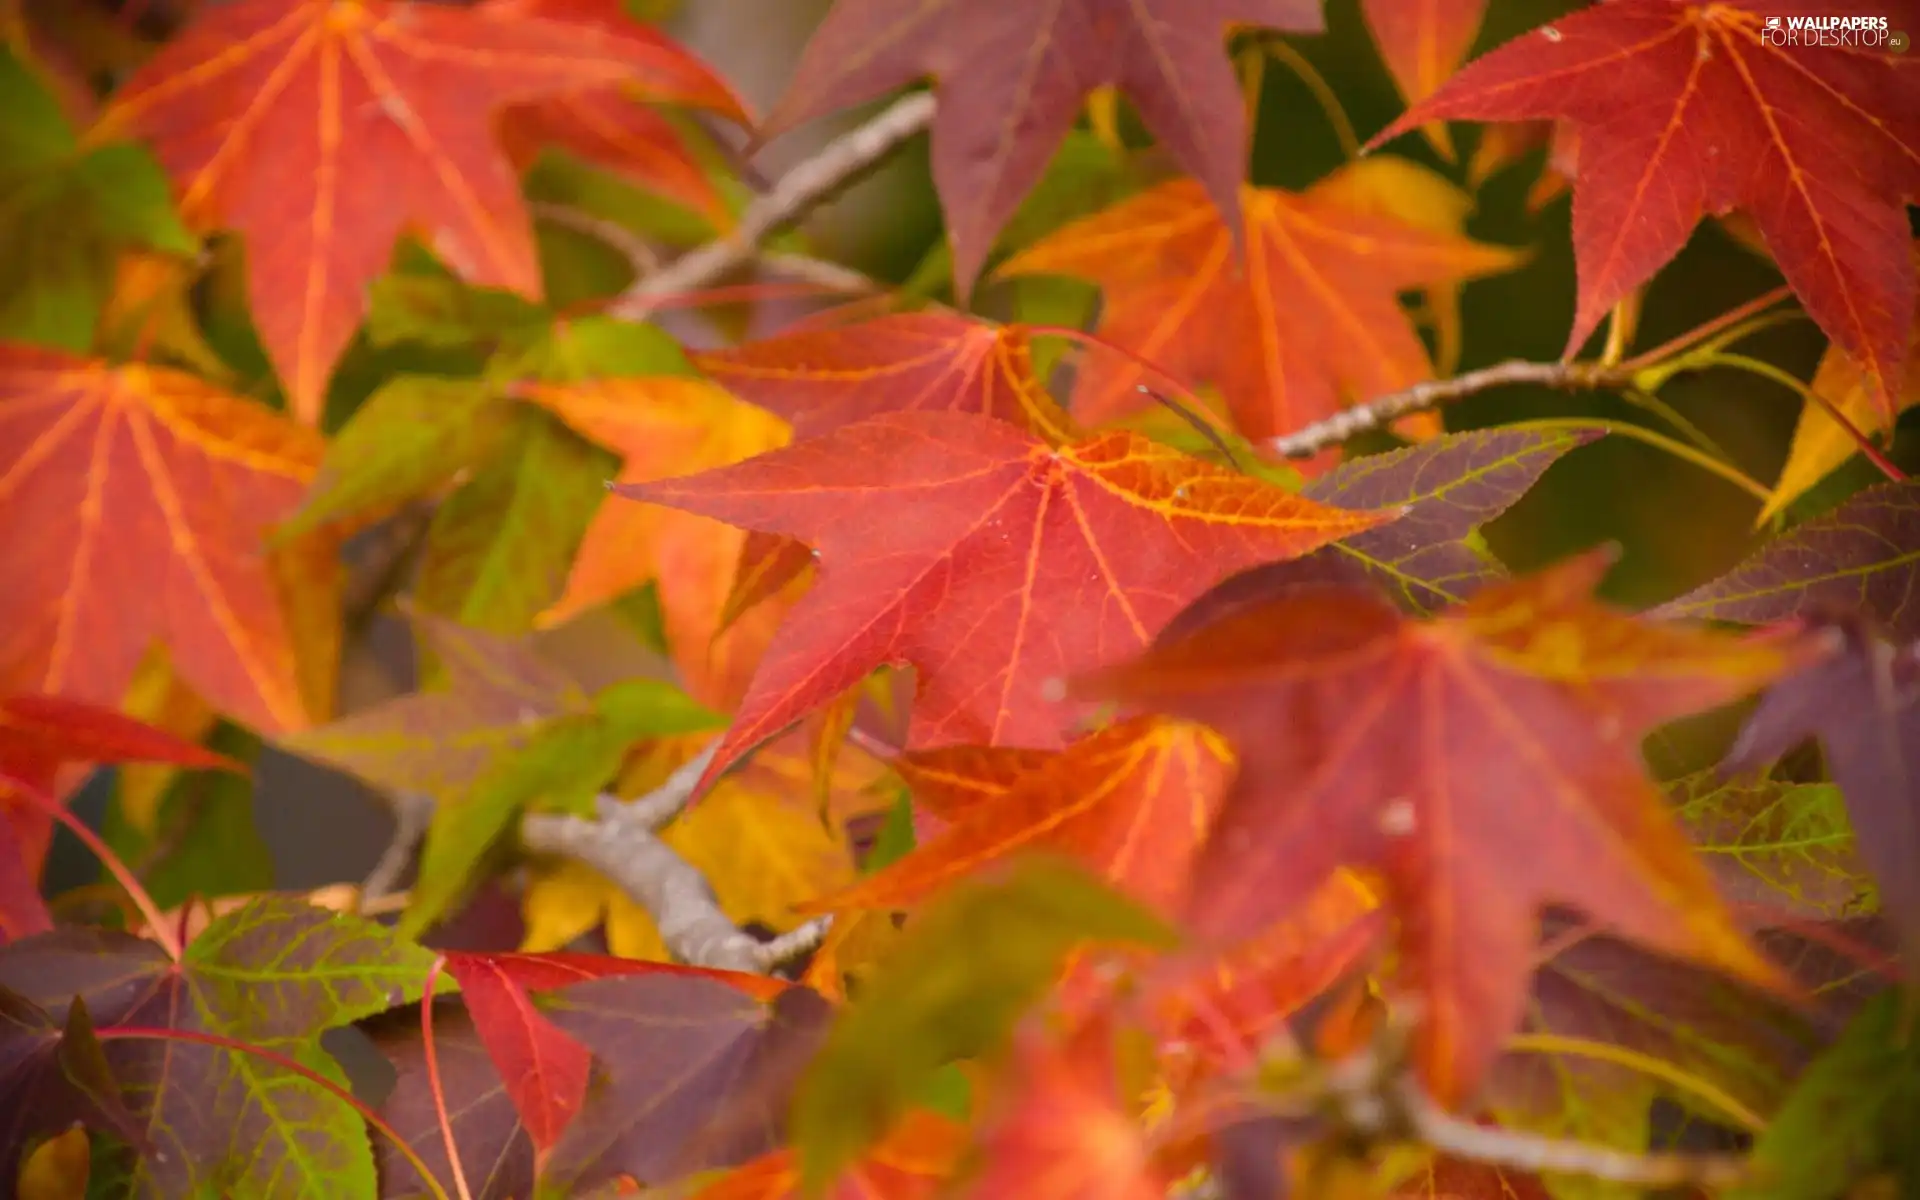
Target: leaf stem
[1323, 94]
[1786, 379]
[359, 1106]
[1645, 1064]
[1673, 346]
[136, 892]
[431, 1056]
[1661, 441]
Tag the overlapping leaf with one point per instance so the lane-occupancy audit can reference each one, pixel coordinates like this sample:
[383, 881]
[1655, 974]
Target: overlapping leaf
[606, 127]
[53, 1078]
[64, 214]
[136, 481]
[1678, 109]
[1132, 803]
[273, 975]
[903, 362]
[38, 734]
[1819, 443]
[1422, 42]
[1012, 79]
[256, 92]
[1310, 321]
[989, 560]
[1864, 556]
[1428, 558]
[1370, 740]
[1863, 703]
[666, 426]
[1776, 845]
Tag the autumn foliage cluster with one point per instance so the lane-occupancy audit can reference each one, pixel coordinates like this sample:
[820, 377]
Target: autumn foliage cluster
[1049, 720]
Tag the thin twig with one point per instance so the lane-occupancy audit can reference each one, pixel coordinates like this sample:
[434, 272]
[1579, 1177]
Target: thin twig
[630, 245]
[621, 844]
[828, 276]
[799, 190]
[1384, 410]
[412, 813]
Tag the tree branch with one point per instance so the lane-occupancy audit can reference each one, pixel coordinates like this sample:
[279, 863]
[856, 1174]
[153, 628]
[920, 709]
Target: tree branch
[621, 844]
[1384, 410]
[798, 191]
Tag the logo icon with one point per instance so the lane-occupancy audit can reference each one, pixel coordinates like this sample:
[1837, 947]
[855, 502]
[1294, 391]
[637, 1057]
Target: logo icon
[1773, 22]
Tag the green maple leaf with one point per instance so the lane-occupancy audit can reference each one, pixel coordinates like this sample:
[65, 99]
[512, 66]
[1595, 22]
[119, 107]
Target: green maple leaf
[273, 975]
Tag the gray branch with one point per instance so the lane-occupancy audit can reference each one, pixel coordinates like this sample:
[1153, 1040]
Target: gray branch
[806, 185]
[622, 844]
[1384, 410]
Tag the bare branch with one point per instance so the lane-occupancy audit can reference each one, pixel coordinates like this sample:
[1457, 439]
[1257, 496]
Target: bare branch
[1384, 410]
[630, 245]
[412, 813]
[621, 844]
[830, 276]
[799, 190]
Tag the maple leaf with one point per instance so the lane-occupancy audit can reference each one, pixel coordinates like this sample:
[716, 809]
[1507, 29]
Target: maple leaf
[1310, 322]
[53, 1078]
[1130, 803]
[1427, 559]
[989, 560]
[1860, 556]
[272, 975]
[498, 694]
[137, 481]
[253, 91]
[820, 380]
[1774, 844]
[665, 426]
[1061, 1129]
[1364, 739]
[1863, 702]
[606, 127]
[65, 213]
[1819, 443]
[38, 734]
[496, 1155]
[1611, 1026]
[690, 1073]
[1678, 106]
[913, 1162]
[1012, 79]
[1423, 42]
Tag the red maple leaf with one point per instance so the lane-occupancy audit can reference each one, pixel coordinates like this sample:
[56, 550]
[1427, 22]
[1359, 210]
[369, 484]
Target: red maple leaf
[320, 130]
[1684, 110]
[990, 560]
[1012, 78]
[1485, 764]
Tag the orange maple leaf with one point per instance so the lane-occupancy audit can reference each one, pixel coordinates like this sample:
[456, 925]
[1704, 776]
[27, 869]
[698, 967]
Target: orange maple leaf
[1422, 42]
[1484, 763]
[320, 130]
[903, 362]
[1309, 322]
[1132, 803]
[663, 426]
[134, 505]
[990, 560]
